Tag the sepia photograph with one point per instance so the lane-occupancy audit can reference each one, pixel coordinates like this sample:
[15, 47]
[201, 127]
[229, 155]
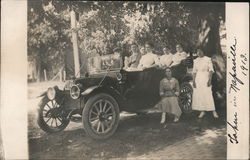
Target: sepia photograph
[131, 80]
[126, 80]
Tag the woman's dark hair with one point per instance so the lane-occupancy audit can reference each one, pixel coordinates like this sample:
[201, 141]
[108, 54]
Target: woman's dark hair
[199, 48]
[168, 68]
[150, 44]
[136, 46]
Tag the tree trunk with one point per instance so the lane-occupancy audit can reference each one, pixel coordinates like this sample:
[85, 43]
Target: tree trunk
[38, 68]
[209, 41]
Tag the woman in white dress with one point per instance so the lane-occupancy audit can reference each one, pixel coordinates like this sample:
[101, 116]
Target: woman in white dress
[166, 59]
[149, 59]
[202, 92]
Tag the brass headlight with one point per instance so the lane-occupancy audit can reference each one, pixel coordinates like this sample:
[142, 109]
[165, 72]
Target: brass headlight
[75, 92]
[51, 93]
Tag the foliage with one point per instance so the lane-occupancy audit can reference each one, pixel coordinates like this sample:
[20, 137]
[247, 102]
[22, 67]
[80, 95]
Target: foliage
[103, 26]
[48, 36]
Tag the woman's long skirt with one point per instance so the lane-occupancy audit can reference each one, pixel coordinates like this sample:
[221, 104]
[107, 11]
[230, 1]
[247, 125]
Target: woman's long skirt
[170, 105]
[202, 94]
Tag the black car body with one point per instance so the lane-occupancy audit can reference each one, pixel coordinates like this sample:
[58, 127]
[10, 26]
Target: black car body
[104, 93]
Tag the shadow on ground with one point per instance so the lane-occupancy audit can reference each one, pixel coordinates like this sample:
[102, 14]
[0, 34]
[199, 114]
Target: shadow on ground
[135, 136]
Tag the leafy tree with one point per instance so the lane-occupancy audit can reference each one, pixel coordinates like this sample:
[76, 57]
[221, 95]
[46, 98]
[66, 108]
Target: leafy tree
[103, 26]
[210, 16]
[48, 36]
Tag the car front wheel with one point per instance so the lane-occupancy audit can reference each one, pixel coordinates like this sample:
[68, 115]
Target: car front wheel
[51, 117]
[100, 116]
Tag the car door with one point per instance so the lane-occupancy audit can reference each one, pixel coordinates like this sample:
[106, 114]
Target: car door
[142, 90]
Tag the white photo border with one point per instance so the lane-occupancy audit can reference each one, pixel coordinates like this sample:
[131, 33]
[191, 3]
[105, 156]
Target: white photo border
[13, 110]
[237, 26]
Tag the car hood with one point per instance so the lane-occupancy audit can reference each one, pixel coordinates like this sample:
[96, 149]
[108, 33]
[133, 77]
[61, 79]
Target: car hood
[93, 81]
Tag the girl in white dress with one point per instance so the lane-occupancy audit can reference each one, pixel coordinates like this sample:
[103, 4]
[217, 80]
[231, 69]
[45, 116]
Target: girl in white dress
[202, 90]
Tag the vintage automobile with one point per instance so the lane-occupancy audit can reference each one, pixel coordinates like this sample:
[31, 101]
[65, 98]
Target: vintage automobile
[107, 90]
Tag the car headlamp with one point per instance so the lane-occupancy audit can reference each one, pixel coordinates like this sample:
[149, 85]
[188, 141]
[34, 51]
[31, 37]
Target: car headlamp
[119, 76]
[75, 92]
[51, 93]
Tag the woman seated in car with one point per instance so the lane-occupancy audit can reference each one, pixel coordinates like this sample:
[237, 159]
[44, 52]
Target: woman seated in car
[178, 69]
[179, 55]
[132, 61]
[142, 50]
[149, 59]
[166, 59]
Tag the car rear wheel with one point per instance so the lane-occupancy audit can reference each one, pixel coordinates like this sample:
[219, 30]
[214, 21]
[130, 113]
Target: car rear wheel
[185, 98]
[51, 117]
[101, 116]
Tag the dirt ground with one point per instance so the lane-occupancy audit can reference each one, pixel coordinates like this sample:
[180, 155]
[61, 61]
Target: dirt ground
[137, 137]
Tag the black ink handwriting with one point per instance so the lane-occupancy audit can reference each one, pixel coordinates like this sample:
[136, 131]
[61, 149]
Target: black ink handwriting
[233, 137]
[235, 81]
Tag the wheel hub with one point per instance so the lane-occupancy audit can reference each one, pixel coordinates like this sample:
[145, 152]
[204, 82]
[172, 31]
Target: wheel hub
[53, 113]
[102, 116]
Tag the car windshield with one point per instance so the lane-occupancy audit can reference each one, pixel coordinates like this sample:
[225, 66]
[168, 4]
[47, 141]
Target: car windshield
[100, 64]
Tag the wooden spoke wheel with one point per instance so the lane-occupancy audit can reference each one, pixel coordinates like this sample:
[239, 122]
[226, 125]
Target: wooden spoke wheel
[51, 117]
[100, 116]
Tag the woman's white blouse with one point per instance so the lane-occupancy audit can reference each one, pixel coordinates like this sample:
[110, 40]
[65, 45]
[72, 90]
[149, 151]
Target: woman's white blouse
[166, 59]
[178, 57]
[203, 64]
[148, 59]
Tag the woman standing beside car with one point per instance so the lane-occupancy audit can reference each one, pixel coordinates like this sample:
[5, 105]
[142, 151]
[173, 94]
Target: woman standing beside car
[202, 90]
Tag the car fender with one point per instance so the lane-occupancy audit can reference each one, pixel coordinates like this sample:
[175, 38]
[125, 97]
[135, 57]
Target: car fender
[43, 94]
[89, 90]
[187, 78]
[42, 100]
[103, 89]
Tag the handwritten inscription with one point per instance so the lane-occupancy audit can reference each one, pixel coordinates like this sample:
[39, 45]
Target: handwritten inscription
[243, 67]
[235, 82]
[233, 137]
[238, 71]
